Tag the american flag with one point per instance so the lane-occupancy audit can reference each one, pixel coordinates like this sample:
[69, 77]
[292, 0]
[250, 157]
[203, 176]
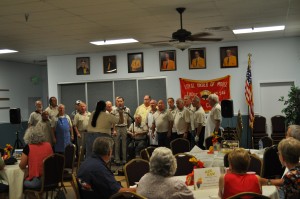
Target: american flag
[249, 93]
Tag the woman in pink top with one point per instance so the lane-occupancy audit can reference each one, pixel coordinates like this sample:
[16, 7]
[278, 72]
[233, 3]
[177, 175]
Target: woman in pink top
[36, 150]
[237, 180]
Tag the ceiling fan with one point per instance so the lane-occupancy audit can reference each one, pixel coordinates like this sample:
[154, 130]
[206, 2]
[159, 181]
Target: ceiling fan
[180, 37]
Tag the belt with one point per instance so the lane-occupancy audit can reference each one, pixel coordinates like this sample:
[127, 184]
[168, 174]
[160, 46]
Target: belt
[121, 126]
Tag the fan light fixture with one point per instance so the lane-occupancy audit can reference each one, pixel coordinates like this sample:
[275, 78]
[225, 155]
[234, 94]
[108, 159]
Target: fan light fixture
[181, 45]
[260, 29]
[3, 51]
[111, 42]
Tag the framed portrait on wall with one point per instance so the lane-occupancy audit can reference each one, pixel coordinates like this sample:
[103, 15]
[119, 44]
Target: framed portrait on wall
[82, 65]
[135, 62]
[229, 57]
[197, 58]
[109, 64]
[167, 60]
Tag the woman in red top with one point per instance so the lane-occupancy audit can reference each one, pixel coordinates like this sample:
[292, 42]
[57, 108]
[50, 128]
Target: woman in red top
[237, 180]
[36, 150]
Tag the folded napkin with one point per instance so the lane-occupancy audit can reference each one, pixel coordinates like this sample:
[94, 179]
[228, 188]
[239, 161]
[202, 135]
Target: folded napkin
[196, 149]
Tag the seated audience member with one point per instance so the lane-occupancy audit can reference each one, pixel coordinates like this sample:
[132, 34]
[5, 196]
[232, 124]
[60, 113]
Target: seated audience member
[237, 180]
[36, 150]
[95, 173]
[289, 153]
[159, 183]
[138, 133]
[294, 132]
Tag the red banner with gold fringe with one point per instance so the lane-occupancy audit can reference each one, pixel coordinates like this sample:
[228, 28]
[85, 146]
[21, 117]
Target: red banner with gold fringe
[203, 88]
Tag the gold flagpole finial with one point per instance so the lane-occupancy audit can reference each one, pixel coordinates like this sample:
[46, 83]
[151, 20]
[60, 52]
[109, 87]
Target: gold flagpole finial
[249, 59]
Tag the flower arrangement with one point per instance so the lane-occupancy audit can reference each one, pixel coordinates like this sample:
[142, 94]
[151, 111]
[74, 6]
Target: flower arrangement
[190, 177]
[8, 148]
[215, 137]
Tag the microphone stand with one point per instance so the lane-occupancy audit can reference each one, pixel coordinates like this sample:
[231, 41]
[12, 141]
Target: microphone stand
[133, 123]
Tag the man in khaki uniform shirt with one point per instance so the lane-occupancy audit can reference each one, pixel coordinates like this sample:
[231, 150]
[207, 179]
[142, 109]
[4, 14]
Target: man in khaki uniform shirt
[138, 132]
[199, 121]
[36, 116]
[81, 121]
[163, 122]
[214, 117]
[121, 131]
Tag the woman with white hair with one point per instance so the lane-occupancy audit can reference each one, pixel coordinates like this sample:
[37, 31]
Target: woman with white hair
[289, 154]
[159, 182]
[36, 150]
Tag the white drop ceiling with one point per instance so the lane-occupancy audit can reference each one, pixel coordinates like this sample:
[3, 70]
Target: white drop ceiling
[63, 27]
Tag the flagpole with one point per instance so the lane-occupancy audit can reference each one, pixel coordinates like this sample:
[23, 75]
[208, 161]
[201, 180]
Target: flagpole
[250, 105]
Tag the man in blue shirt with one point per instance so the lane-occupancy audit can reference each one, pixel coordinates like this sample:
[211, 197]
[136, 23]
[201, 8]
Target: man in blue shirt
[94, 173]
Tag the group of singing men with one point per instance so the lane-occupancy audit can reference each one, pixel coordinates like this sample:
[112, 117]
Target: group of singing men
[151, 124]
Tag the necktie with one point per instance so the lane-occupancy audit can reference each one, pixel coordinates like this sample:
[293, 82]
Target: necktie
[228, 60]
[196, 61]
[167, 64]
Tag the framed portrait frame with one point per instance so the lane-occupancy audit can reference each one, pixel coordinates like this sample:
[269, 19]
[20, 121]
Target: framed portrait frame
[229, 57]
[135, 62]
[167, 60]
[110, 64]
[83, 66]
[197, 58]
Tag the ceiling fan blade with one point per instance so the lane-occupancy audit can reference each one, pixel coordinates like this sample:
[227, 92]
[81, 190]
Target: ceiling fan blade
[201, 34]
[205, 39]
[156, 42]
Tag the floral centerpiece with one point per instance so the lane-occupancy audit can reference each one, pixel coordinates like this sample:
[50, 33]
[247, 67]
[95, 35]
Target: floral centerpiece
[8, 148]
[190, 177]
[215, 137]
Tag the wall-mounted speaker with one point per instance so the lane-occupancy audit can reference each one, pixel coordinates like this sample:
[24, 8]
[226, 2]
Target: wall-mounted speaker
[227, 108]
[15, 116]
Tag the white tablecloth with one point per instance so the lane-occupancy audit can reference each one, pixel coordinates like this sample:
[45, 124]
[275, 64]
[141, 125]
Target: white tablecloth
[212, 193]
[15, 177]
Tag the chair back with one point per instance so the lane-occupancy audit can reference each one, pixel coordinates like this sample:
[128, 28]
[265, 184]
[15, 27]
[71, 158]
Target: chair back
[267, 141]
[70, 152]
[134, 170]
[184, 166]
[209, 143]
[127, 194]
[144, 154]
[256, 164]
[259, 125]
[180, 145]
[272, 167]
[80, 158]
[53, 167]
[150, 150]
[75, 186]
[278, 124]
[251, 195]
[83, 193]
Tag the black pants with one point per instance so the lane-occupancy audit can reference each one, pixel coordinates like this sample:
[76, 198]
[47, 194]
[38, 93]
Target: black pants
[162, 139]
[201, 138]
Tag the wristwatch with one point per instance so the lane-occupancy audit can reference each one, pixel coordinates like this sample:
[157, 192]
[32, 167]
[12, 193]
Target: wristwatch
[269, 182]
